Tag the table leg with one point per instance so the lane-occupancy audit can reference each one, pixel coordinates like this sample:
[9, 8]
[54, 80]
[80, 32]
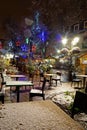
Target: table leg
[18, 96]
[50, 82]
[16, 78]
[84, 82]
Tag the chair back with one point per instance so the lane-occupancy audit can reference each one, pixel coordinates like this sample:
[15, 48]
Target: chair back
[73, 76]
[2, 77]
[41, 76]
[58, 73]
[80, 103]
[43, 84]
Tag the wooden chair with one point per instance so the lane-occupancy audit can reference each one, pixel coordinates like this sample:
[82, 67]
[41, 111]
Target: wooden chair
[76, 81]
[80, 103]
[41, 78]
[57, 78]
[2, 93]
[38, 92]
[2, 77]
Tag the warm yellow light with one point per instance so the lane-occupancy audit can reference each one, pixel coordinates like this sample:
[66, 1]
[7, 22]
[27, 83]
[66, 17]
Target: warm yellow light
[8, 56]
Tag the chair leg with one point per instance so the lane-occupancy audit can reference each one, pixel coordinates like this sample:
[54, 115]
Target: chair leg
[56, 82]
[78, 84]
[60, 82]
[2, 99]
[30, 97]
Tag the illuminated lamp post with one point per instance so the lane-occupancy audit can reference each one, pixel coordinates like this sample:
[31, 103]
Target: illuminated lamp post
[74, 48]
[75, 41]
[64, 41]
[71, 52]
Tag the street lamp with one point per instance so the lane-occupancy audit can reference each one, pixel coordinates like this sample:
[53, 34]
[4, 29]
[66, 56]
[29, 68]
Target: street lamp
[64, 41]
[68, 53]
[75, 41]
[58, 51]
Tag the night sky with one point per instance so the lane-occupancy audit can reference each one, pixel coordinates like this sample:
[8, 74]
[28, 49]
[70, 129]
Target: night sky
[52, 10]
[18, 10]
[15, 9]
[53, 13]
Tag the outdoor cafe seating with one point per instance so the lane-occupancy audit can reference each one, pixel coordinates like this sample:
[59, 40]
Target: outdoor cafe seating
[57, 78]
[37, 91]
[76, 81]
[14, 86]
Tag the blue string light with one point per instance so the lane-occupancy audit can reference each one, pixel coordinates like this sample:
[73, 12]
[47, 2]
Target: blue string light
[24, 48]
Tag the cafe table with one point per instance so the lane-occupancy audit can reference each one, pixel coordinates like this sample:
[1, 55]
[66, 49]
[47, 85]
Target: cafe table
[84, 76]
[18, 84]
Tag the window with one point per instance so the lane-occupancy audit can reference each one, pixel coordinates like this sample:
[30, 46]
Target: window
[85, 24]
[76, 27]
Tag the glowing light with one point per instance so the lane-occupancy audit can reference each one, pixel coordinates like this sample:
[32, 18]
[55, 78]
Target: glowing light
[38, 30]
[10, 43]
[8, 56]
[75, 41]
[24, 48]
[17, 43]
[43, 36]
[64, 41]
[58, 51]
[27, 40]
